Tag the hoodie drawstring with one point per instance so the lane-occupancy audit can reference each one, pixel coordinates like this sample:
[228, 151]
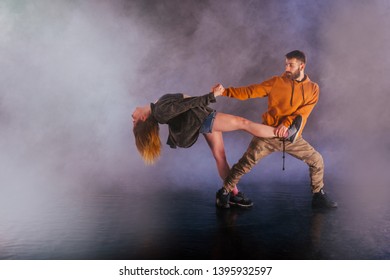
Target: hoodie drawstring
[284, 152]
[291, 103]
[292, 93]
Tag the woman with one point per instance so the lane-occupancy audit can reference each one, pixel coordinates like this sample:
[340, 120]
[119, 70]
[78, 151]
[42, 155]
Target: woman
[187, 117]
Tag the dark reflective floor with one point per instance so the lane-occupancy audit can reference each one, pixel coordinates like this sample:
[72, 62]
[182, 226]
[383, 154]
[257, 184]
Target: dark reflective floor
[184, 224]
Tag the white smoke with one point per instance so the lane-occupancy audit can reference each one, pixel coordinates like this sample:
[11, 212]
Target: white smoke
[73, 71]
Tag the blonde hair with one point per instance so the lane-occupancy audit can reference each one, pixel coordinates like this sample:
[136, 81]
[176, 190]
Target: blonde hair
[147, 139]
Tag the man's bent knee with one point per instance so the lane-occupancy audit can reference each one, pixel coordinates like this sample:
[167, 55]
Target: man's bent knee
[317, 160]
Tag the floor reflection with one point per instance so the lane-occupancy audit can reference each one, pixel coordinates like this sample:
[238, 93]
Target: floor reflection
[185, 224]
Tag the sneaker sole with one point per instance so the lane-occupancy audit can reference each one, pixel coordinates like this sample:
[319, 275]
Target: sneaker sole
[298, 131]
[240, 205]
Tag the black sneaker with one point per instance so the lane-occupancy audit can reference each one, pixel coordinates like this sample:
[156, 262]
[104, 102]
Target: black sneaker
[294, 129]
[240, 200]
[222, 198]
[321, 200]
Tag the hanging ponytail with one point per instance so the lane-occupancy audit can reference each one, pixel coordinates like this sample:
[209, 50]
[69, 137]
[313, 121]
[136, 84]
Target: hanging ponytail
[147, 139]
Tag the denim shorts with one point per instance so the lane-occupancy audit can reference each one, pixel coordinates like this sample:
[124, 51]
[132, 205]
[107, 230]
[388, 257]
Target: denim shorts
[207, 125]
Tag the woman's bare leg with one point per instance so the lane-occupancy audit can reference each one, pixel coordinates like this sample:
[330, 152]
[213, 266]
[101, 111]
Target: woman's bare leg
[215, 142]
[226, 122]
[217, 147]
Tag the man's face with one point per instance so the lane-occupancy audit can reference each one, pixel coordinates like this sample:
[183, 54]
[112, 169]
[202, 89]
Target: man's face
[293, 68]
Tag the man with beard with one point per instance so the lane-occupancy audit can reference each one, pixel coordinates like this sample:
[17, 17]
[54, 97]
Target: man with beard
[290, 96]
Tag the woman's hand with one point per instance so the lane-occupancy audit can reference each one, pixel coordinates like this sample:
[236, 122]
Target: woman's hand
[218, 90]
[281, 131]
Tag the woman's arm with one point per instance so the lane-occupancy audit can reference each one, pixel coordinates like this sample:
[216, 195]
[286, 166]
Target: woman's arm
[172, 105]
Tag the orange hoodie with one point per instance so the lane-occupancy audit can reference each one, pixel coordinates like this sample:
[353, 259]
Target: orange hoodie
[286, 98]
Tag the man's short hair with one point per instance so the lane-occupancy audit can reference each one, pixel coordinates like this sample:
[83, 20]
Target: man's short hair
[299, 55]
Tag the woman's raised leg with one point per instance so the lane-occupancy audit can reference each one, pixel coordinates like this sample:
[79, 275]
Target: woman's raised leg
[226, 122]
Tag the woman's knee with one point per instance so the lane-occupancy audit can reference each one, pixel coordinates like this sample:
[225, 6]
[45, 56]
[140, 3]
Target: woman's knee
[242, 122]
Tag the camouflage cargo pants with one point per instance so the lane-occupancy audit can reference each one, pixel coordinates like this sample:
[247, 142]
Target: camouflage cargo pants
[261, 147]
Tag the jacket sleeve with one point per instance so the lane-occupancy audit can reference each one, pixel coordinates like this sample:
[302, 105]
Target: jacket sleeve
[167, 108]
[252, 91]
[305, 109]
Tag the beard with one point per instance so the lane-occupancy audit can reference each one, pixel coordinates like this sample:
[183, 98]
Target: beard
[293, 75]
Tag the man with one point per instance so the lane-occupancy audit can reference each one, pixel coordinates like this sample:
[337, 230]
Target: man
[290, 96]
